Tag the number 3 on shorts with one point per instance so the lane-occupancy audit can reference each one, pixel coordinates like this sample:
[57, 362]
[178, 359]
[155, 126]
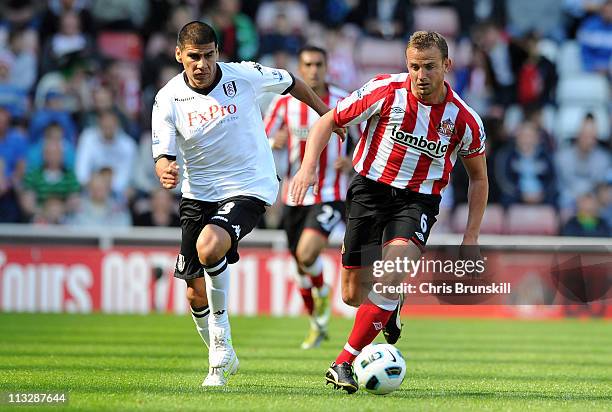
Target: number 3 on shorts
[226, 208]
[423, 223]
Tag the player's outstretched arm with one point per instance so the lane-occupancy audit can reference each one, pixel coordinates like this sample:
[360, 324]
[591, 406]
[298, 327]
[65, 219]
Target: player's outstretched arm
[167, 171]
[478, 193]
[318, 137]
[304, 93]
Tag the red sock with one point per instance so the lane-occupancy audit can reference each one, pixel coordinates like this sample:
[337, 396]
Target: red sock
[369, 321]
[307, 297]
[317, 281]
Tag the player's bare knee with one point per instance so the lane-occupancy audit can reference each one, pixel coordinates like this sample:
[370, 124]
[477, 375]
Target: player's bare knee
[210, 249]
[306, 258]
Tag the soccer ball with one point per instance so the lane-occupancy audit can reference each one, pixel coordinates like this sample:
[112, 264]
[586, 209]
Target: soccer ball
[380, 368]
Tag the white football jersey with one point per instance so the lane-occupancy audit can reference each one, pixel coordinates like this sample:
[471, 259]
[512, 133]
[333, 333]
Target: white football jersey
[220, 135]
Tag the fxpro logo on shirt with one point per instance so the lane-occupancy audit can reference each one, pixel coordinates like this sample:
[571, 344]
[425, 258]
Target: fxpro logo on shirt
[434, 149]
[214, 112]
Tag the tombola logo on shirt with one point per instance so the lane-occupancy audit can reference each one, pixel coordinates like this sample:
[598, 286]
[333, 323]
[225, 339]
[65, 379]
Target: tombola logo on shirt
[434, 149]
[214, 111]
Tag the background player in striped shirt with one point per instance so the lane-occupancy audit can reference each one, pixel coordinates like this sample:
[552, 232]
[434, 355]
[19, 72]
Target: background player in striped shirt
[309, 223]
[416, 128]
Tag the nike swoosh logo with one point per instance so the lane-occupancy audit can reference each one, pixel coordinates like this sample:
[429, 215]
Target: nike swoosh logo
[392, 355]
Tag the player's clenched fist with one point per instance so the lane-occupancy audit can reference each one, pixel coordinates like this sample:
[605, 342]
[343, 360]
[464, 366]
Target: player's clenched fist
[169, 177]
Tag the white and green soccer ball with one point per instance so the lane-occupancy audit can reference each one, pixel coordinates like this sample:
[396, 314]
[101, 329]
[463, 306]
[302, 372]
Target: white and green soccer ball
[380, 368]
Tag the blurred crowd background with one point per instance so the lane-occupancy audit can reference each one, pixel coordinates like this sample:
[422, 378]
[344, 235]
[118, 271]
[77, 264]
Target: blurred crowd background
[78, 78]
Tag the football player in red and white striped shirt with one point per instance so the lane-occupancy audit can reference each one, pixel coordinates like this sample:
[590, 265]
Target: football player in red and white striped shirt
[309, 222]
[417, 126]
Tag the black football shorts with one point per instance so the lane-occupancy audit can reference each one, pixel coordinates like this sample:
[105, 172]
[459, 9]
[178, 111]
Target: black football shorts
[378, 213]
[322, 217]
[237, 215]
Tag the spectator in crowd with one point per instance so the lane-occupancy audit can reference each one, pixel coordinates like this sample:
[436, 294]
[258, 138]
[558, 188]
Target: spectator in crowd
[53, 132]
[238, 38]
[537, 77]
[389, 19]
[24, 70]
[165, 73]
[340, 47]
[51, 16]
[581, 166]
[604, 196]
[576, 11]
[10, 211]
[162, 211]
[106, 146]
[18, 14]
[595, 38]
[52, 113]
[473, 82]
[52, 212]
[587, 221]
[98, 207]
[102, 100]
[534, 113]
[70, 39]
[52, 180]
[13, 97]
[120, 14]
[332, 13]
[13, 146]
[524, 170]
[542, 16]
[123, 79]
[161, 45]
[503, 58]
[282, 25]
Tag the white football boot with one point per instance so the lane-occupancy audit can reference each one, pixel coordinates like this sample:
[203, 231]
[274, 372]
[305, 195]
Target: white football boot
[222, 359]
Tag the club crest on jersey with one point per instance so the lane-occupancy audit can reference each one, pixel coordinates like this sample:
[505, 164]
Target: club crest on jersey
[433, 149]
[180, 263]
[229, 88]
[446, 128]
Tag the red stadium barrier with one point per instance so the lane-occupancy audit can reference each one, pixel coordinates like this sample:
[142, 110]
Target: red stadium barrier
[139, 280]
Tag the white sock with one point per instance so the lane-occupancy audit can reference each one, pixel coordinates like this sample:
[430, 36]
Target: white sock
[316, 268]
[200, 318]
[303, 281]
[383, 302]
[217, 288]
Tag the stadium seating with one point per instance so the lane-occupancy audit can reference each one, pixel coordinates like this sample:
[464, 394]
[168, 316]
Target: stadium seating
[444, 20]
[531, 220]
[492, 222]
[375, 56]
[122, 46]
[585, 88]
[569, 59]
[570, 117]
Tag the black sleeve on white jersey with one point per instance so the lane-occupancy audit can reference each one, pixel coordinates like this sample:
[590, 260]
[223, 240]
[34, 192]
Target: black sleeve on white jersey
[292, 83]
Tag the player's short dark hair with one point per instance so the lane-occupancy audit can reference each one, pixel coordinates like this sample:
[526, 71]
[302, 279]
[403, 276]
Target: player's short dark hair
[311, 48]
[422, 40]
[196, 33]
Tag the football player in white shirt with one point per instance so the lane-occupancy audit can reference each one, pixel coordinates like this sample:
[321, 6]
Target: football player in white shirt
[309, 224]
[209, 114]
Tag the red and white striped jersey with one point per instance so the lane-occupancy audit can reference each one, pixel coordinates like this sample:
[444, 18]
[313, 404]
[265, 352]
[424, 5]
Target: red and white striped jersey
[408, 143]
[298, 118]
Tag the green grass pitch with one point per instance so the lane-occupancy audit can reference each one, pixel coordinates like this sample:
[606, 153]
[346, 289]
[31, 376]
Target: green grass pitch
[157, 362]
